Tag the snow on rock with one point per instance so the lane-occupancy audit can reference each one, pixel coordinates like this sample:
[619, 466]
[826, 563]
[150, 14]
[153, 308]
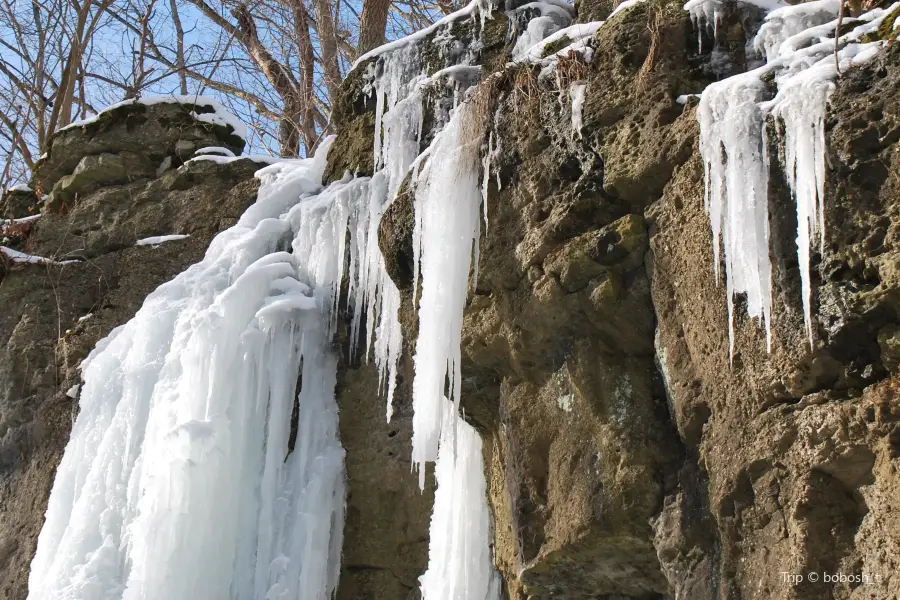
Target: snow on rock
[224, 160]
[576, 95]
[578, 33]
[624, 5]
[31, 259]
[732, 115]
[219, 116]
[475, 7]
[460, 564]
[13, 223]
[160, 239]
[214, 150]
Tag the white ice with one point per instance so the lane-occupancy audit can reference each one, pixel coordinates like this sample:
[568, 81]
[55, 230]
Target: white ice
[733, 141]
[156, 240]
[447, 225]
[576, 95]
[177, 482]
[460, 565]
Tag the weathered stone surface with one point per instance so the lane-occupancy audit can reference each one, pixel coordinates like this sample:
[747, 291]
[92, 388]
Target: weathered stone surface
[17, 203]
[386, 530]
[159, 127]
[797, 445]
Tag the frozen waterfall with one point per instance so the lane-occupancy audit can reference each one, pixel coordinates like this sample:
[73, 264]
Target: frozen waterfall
[179, 480]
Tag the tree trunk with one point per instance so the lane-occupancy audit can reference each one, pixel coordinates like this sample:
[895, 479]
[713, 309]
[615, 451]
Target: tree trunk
[328, 44]
[307, 123]
[372, 24]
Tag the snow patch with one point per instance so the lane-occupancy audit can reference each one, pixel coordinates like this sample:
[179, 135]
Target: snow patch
[160, 239]
[219, 116]
[576, 94]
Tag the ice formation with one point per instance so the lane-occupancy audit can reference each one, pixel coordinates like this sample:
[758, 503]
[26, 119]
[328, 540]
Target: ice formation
[182, 479]
[551, 18]
[448, 195]
[733, 141]
[460, 565]
[179, 480]
[447, 228]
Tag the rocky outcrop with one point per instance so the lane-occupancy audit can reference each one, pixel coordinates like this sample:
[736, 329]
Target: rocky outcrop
[627, 457]
[793, 451]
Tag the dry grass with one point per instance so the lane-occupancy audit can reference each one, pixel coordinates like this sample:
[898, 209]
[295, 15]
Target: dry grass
[647, 68]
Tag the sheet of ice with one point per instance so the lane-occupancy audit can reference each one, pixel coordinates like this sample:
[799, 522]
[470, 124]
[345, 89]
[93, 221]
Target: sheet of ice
[219, 116]
[178, 481]
[460, 565]
[160, 239]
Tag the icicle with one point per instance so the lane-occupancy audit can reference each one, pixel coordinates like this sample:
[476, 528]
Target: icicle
[705, 14]
[486, 178]
[460, 565]
[733, 145]
[802, 108]
[448, 198]
[732, 115]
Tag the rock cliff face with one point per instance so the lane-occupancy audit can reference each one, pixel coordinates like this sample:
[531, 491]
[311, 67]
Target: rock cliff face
[627, 455]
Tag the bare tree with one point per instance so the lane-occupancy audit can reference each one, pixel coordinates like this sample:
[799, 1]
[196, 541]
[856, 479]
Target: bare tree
[277, 64]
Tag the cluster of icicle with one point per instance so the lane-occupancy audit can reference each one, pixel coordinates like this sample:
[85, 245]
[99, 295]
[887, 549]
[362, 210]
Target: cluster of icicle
[182, 480]
[448, 194]
[798, 46]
